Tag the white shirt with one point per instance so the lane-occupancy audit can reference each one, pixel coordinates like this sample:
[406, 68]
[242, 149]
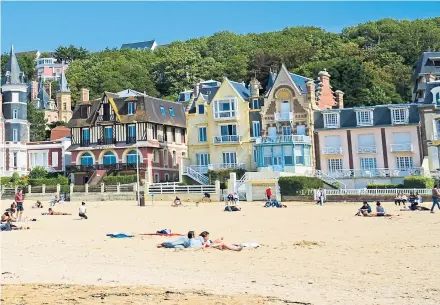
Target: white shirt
[82, 209]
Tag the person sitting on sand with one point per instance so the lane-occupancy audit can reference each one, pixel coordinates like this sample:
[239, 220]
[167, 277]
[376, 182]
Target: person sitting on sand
[217, 244]
[38, 205]
[13, 205]
[230, 199]
[231, 208]
[235, 198]
[207, 197]
[180, 243]
[364, 210]
[380, 211]
[177, 202]
[8, 216]
[8, 226]
[52, 212]
[83, 211]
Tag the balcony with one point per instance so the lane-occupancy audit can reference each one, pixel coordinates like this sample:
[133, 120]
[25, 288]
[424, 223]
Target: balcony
[284, 116]
[91, 168]
[131, 140]
[397, 148]
[367, 150]
[226, 115]
[226, 139]
[298, 139]
[332, 150]
[375, 173]
[107, 141]
[226, 166]
[85, 143]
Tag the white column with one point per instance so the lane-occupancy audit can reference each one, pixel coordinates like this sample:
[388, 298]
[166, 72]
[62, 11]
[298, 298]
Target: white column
[232, 184]
[249, 195]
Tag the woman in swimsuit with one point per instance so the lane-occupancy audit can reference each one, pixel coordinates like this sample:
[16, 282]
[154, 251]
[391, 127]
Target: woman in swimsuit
[52, 212]
[218, 243]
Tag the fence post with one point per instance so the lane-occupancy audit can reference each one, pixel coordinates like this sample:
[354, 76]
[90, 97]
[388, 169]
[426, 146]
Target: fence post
[160, 188]
[118, 188]
[71, 190]
[146, 189]
[43, 189]
[174, 188]
[58, 190]
[102, 187]
[187, 189]
[86, 188]
[201, 189]
[29, 189]
[218, 190]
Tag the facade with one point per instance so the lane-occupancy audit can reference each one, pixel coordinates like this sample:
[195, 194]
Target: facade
[143, 45]
[52, 155]
[49, 68]
[113, 134]
[16, 126]
[358, 146]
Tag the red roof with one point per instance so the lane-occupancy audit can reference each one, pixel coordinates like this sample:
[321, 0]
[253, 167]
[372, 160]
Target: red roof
[59, 132]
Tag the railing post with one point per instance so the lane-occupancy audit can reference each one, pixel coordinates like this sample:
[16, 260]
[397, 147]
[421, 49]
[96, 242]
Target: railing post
[118, 188]
[160, 188]
[29, 189]
[187, 189]
[43, 189]
[102, 187]
[58, 190]
[87, 188]
[174, 188]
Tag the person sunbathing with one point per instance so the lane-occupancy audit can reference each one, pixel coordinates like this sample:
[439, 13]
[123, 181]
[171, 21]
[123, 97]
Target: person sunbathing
[231, 208]
[365, 210]
[218, 243]
[180, 243]
[52, 212]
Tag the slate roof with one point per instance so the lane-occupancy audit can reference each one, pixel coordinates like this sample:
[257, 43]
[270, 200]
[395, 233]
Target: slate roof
[428, 95]
[147, 110]
[244, 92]
[208, 94]
[129, 92]
[139, 45]
[13, 68]
[63, 86]
[271, 80]
[381, 116]
[43, 97]
[300, 81]
[425, 66]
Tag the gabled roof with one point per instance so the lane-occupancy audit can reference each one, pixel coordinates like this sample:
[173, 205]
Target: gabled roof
[300, 81]
[271, 80]
[425, 66]
[43, 97]
[244, 92]
[63, 86]
[139, 45]
[13, 69]
[428, 94]
[129, 92]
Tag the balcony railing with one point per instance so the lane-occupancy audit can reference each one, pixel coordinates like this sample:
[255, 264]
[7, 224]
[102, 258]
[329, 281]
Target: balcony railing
[226, 166]
[85, 142]
[376, 172]
[131, 140]
[106, 141]
[367, 150]
[408, 147]
[106, 118]
[284, 139]
[117, 166]
[226, 139]
[226, 115]
[283, 116]
[332, 150]
[203, 169]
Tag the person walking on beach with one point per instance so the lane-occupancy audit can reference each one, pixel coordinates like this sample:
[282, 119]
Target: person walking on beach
[83, 211]
[320, 195]
[19, 201]
[435, 195]
[269, 193]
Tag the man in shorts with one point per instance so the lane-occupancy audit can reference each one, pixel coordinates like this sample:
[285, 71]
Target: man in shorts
[19, 201]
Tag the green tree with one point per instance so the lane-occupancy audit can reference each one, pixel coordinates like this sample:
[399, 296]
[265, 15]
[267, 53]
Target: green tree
[37, 122]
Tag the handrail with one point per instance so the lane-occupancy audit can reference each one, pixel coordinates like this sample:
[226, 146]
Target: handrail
[330, 180]
[202, 179]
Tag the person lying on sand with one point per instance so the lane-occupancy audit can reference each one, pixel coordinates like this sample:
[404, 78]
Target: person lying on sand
[52, 212]
[231, 208]
[180, 243]
[218, 243]
[8, 226]
[364, 210]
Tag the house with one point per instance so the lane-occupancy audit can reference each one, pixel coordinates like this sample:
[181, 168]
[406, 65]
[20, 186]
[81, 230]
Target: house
[14, 125]
[49, 68]
[426, 70]
[143, 45]
[52, 155]
[119, 133]
[379, 144]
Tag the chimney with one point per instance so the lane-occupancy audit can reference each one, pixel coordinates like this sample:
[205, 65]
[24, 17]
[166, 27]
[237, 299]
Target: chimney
[255, 87]
[339, 97]
[196, 90]
[34, 90]
[326, 99]
[84, 95]
[311, 93]
[48, 87]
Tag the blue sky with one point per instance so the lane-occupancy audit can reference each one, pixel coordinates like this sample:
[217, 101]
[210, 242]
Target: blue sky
[96, 25]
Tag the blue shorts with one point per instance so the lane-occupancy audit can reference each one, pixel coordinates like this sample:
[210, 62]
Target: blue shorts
[20, 207]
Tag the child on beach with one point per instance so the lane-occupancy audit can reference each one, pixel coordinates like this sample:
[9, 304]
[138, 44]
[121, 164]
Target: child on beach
[83, 211]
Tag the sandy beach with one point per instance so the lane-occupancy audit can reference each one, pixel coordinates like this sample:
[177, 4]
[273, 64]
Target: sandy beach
[308, 255]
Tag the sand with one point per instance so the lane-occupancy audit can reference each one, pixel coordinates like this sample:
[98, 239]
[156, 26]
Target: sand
[309, 255]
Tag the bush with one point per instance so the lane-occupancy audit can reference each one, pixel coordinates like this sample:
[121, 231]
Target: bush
[223, 174]
[384, 186]
[49, 181]
[114, 180]
[418, 182]
[38, 172]
[5, 180]
[290, 186]
[15, 177]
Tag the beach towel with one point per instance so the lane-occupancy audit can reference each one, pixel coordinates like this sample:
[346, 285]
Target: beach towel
[161, 234]
[119, 235]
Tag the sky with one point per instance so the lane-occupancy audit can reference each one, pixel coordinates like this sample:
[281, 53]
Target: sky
[44, 26]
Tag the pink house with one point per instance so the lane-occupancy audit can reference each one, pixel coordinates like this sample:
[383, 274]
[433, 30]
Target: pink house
[49, 68]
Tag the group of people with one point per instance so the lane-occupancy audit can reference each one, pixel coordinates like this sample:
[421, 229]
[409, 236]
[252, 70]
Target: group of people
[198, 242]
[366, 210]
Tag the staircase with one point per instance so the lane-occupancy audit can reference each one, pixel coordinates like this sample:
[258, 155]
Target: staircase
[97, 177]
[196, 176]
[329, 180]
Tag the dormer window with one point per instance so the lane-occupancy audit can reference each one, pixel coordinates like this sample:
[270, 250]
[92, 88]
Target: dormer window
[399, 115]
[201, 109]
[171, 112]
[256, 104]
[131, 108]
[331, 120]
[364, 118]
[85, 111]
[162, 110]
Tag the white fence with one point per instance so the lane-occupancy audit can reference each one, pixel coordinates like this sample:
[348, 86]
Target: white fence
[376, 191]
[174, 189]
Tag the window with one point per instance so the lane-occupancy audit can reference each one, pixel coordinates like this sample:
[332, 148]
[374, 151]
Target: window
[307, 158]
[84, 112]
[224, 108]
[288, 158]
[228, 130]
[131, 157]
[399, 115]
[256, 104]
[165, 157]
[167, 177]
[109, 158]
[404, 163]
[256, 129]
[202, 159]
[368, 163]
[54, 159]
[366, 140]
[131, 133]
[108, 134]
[86, 159]
[86, 136]
[331, 120]
[255, 154]
[173, 135]
[154, 129]
[299, 154]
[364, 118]
[334, 165]
[171, 111]
[202, 134]
[162, 110]
[15, 114]
[15, 135]
[15, 97]
[64, 106]
[267, 156]
[156, 178]
[15, 159]
[286, 131]
[130, 108]
[229, 157]
[301, 130]
[155, 156]
[65, 119]
[201, 109]
[174, 158]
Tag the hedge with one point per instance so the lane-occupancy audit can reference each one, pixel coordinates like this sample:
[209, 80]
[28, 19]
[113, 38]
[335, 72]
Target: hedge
[290, 186]
[49, 181]
[114, 180]
[418, 182]
[384, 186]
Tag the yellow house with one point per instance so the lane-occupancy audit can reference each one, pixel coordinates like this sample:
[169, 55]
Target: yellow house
[219, 129]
